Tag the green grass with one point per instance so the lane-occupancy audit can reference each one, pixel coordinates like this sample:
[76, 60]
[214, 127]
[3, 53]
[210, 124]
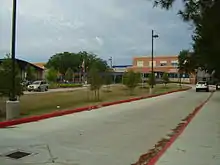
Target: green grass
[35, 104]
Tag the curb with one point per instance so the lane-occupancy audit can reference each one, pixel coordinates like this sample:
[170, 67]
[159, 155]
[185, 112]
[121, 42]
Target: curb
[81, 109]
[153, 155]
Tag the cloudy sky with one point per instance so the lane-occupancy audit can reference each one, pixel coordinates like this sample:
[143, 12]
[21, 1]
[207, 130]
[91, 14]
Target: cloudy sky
[117, 28]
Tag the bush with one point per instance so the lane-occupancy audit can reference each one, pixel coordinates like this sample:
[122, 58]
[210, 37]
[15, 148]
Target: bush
[70, 85]
[165, 78]
[53, 86]
[131, 80]
[151, 79]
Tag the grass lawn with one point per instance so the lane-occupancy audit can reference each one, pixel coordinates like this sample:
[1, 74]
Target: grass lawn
[36, 104]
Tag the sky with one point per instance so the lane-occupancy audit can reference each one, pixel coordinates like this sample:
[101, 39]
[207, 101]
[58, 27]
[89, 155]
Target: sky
[120, 29]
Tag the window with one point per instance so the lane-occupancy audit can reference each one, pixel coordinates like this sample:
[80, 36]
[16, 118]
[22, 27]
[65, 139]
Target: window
[163, 63]
[154, 63]
[174, 63]
[140, 63]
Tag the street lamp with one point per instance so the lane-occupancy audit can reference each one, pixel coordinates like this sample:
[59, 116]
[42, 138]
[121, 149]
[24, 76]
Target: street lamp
[13, 47]
[152, 55]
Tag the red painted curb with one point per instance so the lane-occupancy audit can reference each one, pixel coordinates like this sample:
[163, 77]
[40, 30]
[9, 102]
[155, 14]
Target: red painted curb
[66, 112]
[189, 118]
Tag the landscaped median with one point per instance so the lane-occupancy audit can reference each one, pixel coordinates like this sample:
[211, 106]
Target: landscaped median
[70, 85]
[38, 107]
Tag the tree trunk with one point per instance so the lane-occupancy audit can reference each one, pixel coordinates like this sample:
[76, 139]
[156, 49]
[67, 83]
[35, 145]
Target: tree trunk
[95, 94]
[98, 94]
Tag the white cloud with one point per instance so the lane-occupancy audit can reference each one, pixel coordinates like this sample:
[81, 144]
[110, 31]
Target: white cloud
[118, 28]
[99, 41]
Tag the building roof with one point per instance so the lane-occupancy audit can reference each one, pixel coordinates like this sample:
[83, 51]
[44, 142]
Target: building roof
[40, 64]
[121, 66]
[149, 56]
[23, 64]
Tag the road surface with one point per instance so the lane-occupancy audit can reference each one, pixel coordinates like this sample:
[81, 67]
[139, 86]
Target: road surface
[114, 135]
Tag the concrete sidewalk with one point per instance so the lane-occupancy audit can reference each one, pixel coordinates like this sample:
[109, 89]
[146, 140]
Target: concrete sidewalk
[199, 144]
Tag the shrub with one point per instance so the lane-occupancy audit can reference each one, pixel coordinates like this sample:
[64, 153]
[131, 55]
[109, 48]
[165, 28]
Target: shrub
[131, 80]
[70, 85]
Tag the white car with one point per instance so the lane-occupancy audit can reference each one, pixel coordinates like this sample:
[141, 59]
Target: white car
[218, 86]
[40, 86]
[202, 85]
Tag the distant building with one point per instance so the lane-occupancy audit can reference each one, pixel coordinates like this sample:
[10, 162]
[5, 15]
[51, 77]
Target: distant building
[119, 70]
[23, 68]
[161, 64]
[42, 66]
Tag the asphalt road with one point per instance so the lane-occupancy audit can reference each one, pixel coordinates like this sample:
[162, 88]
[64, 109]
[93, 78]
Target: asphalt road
[114, 135]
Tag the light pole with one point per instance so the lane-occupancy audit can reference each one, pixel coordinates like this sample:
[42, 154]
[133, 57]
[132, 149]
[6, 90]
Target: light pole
[12, 106]
[13, 48]
[152, 56]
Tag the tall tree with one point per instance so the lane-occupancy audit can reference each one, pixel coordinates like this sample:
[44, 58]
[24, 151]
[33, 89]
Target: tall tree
[204, 16]
[187, 62]
[51, 75]
[63, 61]
[6, 77]
[69, 75]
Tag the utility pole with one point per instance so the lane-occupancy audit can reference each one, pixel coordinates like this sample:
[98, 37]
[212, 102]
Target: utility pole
[152, 55]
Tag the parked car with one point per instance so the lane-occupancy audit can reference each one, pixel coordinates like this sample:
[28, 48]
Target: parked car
[40, 86]
[202, 85]
[218, 86]
[25, 83]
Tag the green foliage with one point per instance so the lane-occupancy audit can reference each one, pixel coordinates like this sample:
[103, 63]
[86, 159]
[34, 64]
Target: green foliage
[207, 39]
[204, 15]
[6, 79]
[131, 80]
[95, 80]
[31, 73]
[70, 85]
[151, 79]
[69, 75]
[65, 60]
[186, 62]
[51, 75]
[108, 79]
[165, 78]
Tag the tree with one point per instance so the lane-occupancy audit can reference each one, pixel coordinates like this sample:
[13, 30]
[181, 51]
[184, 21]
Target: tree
[108, 79]
[207, 39]
[131, 80]
[95, 81]
[31, 73]
[165, 78]
[151, 79]
[51, 75]
[204, 16]
[62, 61]
[69, 74]
[187, 63]
[6, 79]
